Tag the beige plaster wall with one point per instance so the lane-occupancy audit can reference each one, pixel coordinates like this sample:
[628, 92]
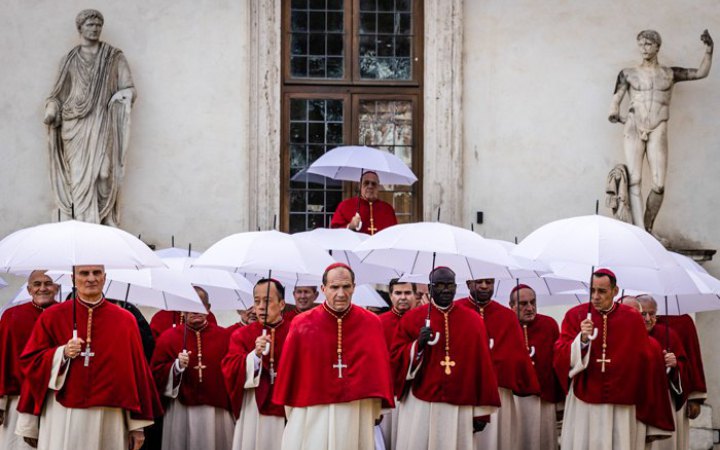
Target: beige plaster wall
[538, 80]
[187, 164]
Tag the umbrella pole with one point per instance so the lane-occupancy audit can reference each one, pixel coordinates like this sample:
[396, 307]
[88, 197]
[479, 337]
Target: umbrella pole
[589, 313]
[74, 305]
[427, 319]
[189, 249]
[185, 332]
[127, 294]
[265, 318]
[172, 241]
[362, 173]
[667, 326]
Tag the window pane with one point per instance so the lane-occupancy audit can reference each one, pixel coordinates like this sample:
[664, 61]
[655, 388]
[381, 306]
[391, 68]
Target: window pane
[387, 125]
[313, 198]
[298, 44]
[298, 66]
[317, 30]
[385, 51]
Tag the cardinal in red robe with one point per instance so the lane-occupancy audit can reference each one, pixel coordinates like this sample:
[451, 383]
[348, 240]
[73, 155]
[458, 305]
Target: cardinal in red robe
[513, 367]
[187, 372]
[696, 387]
[164, 320]
[538, 419]
[341, 348]
[366, 213]
[403, 299]
[676, 365]
[250, 368]
[97, 389]
[447, 387]
[618, 378]
[16, 325]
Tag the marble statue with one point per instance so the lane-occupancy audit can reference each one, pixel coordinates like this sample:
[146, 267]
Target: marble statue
[649, 88]
[88, 118]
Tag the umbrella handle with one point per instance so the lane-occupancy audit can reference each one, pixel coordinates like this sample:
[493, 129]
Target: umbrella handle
[532, 351]
[437, 334]
[359, 225]
[491, 344]
[75, 336]
[267, 345]
[593, 336]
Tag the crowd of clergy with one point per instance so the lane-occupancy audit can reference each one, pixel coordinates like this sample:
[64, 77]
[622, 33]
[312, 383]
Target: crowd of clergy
[432, 372]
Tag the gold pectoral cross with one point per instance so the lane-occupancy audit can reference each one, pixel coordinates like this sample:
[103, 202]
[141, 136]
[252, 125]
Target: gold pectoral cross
[447, 364]
[603, 361]
[200, 368]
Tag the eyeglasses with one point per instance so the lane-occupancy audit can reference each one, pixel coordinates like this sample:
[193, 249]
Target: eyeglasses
[443, 286]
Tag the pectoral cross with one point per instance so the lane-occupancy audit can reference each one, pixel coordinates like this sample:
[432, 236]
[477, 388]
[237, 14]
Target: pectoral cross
[447, 364]
[87, 354]
[200, 368]
[273, 374]
[603, 361]
[372, 228]
[339, 366]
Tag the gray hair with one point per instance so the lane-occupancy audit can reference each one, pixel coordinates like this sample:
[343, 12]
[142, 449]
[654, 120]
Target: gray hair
[647, 298]
[651, 35]
[86, 14]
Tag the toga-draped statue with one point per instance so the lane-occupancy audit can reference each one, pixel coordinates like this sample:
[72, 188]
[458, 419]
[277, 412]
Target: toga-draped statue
[88, 118]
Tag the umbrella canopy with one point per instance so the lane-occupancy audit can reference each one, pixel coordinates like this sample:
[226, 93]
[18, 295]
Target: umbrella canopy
[416, 247]
[573, 247]
[62, 245]
[226, 290]
[259, 252]
[348, 163]
[341, 242]
[156, 288]
[177, 252]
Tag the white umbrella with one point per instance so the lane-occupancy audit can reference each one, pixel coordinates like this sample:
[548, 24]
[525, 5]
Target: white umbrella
[350, 162]
[573, 247]
[260, 252]
[267, 252]
[341, 242]
[62, 245]
[176, 252]
[418, 247]
[156, 288]
[226, 290]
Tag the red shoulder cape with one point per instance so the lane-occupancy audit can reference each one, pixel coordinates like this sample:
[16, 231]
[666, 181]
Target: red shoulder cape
[15, 328]
[685, 328]
[542, 334]
[162, 320]
[390, 321]
[118, 376]
[471, 382]
[513, 366]
[310, 352]
[383, 214]
[192, 392]
[242, 342]
[635, 375]
[669, 341]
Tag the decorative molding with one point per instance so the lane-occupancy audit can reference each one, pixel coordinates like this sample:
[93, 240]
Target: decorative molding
[443, 122]
[265, 113]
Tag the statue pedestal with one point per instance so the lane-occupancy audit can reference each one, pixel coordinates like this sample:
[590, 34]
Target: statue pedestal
[699, 255]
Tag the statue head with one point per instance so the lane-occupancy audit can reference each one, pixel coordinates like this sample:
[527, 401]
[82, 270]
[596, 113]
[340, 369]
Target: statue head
[86, 14]
[651, 35]
[649, 42]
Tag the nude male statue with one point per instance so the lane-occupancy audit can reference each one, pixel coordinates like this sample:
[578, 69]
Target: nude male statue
[650, 87]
